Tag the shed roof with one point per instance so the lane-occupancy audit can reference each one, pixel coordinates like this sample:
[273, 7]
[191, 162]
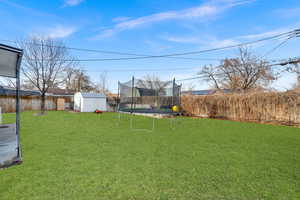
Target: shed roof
[92, 95]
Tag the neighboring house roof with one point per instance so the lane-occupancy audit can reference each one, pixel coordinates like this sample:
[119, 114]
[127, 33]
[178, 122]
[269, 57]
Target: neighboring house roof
[112, 95]
[199, 92]
[206, 92]
[6, 91]
[92, 95]
[60, 92]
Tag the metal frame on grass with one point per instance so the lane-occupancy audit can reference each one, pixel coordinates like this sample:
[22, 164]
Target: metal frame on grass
[10, 68]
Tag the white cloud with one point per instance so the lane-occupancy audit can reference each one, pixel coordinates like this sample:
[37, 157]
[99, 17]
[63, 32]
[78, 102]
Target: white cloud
[29, 11]
[72, 2]
[204, 41]
[184, 39]
[264, 34]
[214, 42]
[59, 31]
[204, 12]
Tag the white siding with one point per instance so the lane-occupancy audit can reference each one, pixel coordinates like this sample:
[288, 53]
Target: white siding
[89, 104]
[77, 102]
[92, 104]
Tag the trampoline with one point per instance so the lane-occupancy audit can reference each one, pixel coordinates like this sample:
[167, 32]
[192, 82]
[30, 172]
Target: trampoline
[149, 98]
[10, 148]
[143, 96]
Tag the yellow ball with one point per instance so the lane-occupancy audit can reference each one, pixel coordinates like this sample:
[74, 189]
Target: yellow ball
[175, 108]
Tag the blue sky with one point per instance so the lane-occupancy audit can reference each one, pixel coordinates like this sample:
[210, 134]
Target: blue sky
[155, 27]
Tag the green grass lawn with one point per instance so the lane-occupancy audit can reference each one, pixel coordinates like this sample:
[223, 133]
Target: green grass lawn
[86, 156]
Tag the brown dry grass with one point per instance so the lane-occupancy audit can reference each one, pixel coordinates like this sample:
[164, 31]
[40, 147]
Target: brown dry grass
[265, 107]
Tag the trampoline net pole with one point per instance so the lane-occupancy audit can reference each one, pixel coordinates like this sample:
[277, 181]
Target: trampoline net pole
[118, 97]
[173, 91]
[132, 91]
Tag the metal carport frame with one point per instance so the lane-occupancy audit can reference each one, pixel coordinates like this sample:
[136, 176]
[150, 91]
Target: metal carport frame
[10, 63]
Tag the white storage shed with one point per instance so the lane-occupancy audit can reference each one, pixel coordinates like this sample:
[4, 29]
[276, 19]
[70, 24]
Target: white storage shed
[89, 102]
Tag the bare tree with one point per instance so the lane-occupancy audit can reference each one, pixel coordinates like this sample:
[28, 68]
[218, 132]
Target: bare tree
[77, 79]
[44, 63]
[293, 66]
[152, 82]
[102, 85]
[296, 70]
[71, 74]
[243, 73]
[84, 82]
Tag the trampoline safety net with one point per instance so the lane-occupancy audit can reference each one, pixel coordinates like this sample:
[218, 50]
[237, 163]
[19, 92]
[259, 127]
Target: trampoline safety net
[144, 96]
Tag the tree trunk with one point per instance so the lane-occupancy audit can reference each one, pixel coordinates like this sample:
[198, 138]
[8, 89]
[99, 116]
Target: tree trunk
[43, 103]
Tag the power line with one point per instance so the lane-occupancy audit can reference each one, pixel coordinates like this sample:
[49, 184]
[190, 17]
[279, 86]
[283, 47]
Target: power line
[140, 55]
[105, 52]
[160, 69]
[290, 33]
[294, 33]
[141, 70]
[110, 59]
[276, 47]
[294, 61]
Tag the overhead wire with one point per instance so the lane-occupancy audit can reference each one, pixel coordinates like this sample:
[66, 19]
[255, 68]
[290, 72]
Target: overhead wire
[291, 61]
[290, 34]
[166, 69]
[184, 58]
[295, 33]
[294, 61]
[204, 51]
[277, 46]
[150, 69]
[104, 52]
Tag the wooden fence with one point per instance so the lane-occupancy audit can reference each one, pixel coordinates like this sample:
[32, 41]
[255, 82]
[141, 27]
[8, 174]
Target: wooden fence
[261, 107]
[8, 103]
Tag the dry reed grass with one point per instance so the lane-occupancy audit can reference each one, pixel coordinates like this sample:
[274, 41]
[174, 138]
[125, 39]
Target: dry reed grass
[263, 107]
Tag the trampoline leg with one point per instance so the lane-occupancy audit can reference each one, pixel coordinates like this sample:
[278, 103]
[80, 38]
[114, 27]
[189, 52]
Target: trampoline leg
[131, 125]
[172, 123]
[153, 124]
[118, 120]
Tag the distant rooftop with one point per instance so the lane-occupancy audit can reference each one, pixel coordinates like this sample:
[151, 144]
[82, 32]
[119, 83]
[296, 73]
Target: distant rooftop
[206, 92]
[92, 95]
[7, 91]
[60, 92]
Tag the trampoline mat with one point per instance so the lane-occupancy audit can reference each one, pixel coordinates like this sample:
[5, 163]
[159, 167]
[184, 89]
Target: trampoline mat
[8, 145]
